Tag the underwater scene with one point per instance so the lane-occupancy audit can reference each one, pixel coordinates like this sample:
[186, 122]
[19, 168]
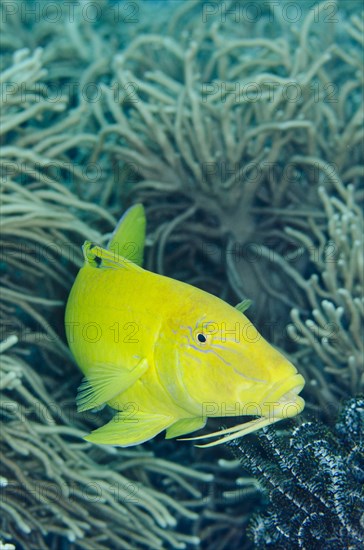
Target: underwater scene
[182, 274]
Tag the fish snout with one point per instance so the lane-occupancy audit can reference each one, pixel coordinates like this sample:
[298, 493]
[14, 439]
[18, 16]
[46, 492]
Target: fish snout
[283, 401]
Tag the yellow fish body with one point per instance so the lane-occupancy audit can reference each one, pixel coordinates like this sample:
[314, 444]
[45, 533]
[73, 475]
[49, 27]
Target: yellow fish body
[165, 354]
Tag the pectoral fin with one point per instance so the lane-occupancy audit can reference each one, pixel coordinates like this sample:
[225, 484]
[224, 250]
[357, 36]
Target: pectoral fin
[243, 306]
[106, 381]
[130, 429]
[185, 426]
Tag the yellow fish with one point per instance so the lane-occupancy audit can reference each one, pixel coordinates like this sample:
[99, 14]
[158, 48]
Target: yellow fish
[165, 354]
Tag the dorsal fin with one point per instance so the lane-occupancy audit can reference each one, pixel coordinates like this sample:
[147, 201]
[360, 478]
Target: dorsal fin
[100, 258]
[128, 237]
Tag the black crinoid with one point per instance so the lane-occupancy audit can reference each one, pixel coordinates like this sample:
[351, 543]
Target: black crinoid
[314, 480]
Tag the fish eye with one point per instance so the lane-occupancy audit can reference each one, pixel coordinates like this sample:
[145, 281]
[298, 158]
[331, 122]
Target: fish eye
[202, 338]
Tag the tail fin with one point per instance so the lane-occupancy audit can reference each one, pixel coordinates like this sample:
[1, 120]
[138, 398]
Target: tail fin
[128, 237]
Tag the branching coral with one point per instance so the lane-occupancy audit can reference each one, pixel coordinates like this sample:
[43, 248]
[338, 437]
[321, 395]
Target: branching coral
[54, 486]
[236, 136]
[225, 129]
[331, 340]
[315, 484]
[52, 482]
[228, 133]
[327, 329]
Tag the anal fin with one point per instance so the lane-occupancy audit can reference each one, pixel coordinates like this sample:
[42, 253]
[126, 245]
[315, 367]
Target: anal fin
[130, 429]
[185, 426]
[106, 381]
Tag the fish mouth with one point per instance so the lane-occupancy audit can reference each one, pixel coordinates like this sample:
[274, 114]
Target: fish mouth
[283, 400]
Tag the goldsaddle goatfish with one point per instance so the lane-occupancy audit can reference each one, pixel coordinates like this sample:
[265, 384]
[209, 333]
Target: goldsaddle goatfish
[167, 355]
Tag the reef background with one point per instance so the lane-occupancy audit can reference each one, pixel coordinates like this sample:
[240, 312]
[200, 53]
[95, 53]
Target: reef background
[239, 125]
